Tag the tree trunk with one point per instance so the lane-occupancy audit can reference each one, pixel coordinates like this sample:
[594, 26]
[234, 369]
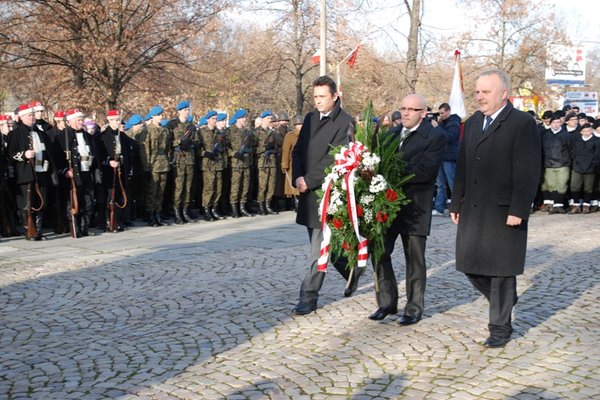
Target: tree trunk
[413, 45]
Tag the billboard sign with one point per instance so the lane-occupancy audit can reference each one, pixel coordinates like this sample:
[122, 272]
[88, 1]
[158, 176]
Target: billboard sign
[586, 101]
[565, 65]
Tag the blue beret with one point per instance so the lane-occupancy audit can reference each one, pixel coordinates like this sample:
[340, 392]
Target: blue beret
[266, 114]
[210, 114]
[182, 105]
[135, 120]
[154, 111]
[202, 121]
[164, 122]
[127, 126]
[147, 117]
[221, 117]
[237, 115]
[190, 119]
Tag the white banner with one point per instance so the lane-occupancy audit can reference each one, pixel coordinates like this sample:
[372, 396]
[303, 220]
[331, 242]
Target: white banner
[565, 65]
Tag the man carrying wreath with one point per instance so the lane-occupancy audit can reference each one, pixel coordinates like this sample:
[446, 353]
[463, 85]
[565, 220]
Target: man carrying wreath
[325, 127]
[422, 147]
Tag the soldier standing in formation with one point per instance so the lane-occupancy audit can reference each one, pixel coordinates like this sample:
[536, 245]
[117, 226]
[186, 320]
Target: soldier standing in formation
[81, 164]
[157, 150]
[8, 224]
[267, 162]
[243, 144]
[184, 143]
[213, 165]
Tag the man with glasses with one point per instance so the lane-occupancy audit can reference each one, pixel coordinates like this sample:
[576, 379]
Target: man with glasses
[422, 148]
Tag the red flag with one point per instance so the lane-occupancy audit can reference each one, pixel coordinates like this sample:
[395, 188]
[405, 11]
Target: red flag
[352, 56]
[316, 58]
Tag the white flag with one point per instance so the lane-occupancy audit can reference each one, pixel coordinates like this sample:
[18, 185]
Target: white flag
[457, 102]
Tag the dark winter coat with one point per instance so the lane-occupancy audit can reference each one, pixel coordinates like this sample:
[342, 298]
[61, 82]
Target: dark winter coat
[497, 175]
[311, 156]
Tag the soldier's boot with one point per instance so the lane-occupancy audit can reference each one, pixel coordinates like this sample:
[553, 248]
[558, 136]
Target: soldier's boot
[574, 209]
[151, 221]
[85, 226]
[243, 211]
[261, 208]
[207, 215]
[215, 213]
[39, 219]
[585, 209]
[269, 209]
[187, 216]
[234, 210]
[156, 218]
[177, 218]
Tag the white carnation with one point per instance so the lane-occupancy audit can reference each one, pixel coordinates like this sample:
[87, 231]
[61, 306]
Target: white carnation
[378, 184]
[366, 199]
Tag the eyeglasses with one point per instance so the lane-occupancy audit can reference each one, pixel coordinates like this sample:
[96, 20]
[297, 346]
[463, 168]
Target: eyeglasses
[404, 109]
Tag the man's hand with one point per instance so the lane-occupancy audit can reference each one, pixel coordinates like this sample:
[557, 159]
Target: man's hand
[29, 153]
[301, 184]
[434, 123]
[69, 173]
[454, 217]
[511, 220]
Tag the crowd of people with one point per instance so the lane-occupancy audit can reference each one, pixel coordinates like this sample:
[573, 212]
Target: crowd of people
[570, 164]
[75, 175]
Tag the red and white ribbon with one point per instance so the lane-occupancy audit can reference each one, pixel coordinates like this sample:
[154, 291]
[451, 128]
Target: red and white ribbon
[346, 163]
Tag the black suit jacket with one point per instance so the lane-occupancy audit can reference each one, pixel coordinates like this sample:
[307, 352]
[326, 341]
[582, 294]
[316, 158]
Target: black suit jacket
[423, 151]
[311, 156]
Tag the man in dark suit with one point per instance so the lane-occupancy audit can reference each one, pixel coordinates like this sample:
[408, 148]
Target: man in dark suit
[328, 125]
[422, 149]
[497, 175]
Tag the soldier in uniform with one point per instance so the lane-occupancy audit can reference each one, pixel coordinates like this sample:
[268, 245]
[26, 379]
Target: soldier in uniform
[115, 159]
[213, 164]
[267, 162]
[59, 193]
[184, 142]
[223, 131]
[81, 165]
[243, 145]
[8, 223]
[157, 150]
[30, 151]
[136, 188]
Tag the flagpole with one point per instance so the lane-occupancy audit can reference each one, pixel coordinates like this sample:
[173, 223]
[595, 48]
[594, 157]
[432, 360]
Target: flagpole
[323, 36]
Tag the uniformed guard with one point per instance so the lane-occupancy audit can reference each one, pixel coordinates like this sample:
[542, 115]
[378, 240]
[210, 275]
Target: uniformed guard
[213, 165]
[58, 194]
[8, 223]
[156, 155]
[115, 160]
[29, 150]
[267, 163]
[136, 185]
[185, 140]
[243, 144]
[79, 151]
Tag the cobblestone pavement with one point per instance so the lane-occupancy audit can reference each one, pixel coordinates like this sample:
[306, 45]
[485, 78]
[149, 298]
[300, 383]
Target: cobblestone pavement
[202, 311]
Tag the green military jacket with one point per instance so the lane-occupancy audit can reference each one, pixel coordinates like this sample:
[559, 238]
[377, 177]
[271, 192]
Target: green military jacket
[243, 147]
[267, 151]
[185, 140]
[214, 156]
[157, 149]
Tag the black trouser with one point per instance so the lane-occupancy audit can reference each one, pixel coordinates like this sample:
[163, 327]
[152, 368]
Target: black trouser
[416, 275]
[309, 290]
[501, 292]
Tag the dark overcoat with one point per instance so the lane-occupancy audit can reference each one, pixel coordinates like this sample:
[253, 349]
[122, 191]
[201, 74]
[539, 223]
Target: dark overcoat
[497, 175]
[423, 151]
[311, 157]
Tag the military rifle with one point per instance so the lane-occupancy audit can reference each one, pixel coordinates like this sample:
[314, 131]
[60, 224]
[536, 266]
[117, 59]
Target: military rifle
[73, 193]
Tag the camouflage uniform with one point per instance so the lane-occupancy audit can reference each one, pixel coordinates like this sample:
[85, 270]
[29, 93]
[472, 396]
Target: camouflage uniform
[243, 145]
[214, 162]
[156, 155]
[185, 138]
[267, 167]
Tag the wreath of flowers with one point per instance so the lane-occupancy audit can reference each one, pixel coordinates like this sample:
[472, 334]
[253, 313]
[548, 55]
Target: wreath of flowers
[361, 195]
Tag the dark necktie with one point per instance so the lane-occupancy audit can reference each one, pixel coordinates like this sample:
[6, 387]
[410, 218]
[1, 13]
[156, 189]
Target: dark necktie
[488, 121]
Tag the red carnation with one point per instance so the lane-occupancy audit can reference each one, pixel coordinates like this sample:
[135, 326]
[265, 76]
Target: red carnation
[391, 195]
[359, 211]
[345, 246]
[381, 216]
[337, 223]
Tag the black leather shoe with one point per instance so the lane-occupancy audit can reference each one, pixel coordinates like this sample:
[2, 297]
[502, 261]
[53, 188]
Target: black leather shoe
[496, 341]
[354, 282]
[408, 320]
[381, 313]
[303, 309]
